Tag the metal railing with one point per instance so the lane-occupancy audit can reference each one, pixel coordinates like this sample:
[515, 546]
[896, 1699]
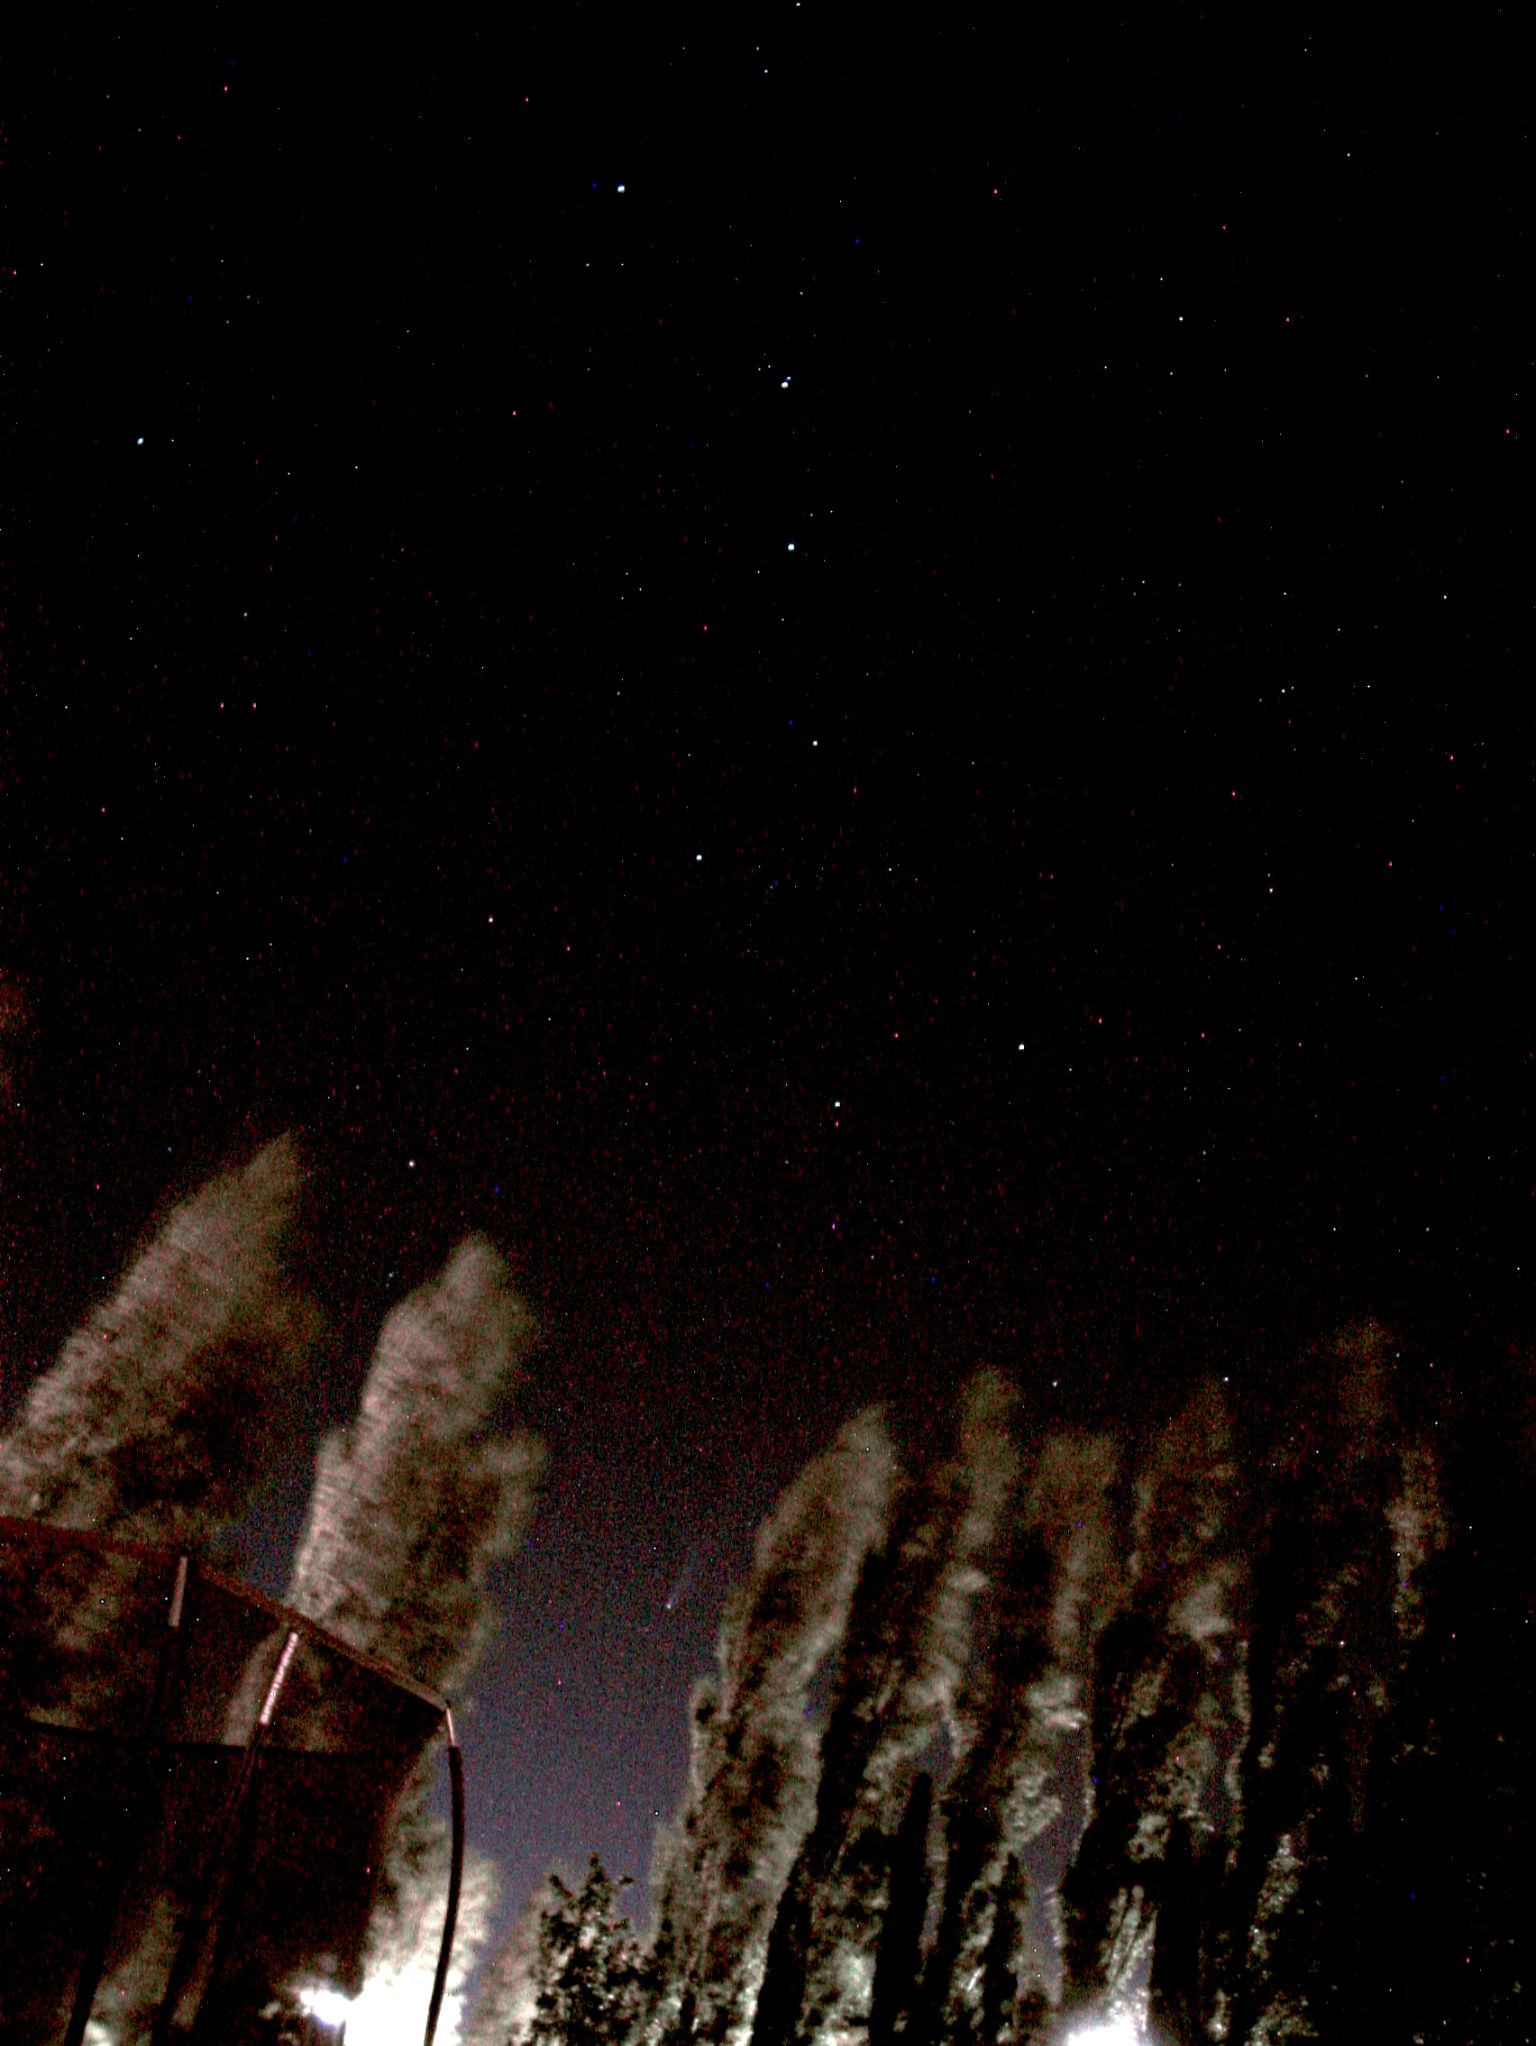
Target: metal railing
[179, 1750]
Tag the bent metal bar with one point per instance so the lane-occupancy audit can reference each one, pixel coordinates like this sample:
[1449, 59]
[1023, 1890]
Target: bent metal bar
[177, 1749]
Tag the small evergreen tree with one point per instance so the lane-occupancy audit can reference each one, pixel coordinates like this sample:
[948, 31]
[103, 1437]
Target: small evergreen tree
[589, 1965]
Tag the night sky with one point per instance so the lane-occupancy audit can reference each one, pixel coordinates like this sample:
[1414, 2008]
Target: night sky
[865, 688]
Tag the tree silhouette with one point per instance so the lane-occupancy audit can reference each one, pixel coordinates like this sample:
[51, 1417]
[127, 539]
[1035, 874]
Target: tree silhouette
[589, 1977]
[899, 1957]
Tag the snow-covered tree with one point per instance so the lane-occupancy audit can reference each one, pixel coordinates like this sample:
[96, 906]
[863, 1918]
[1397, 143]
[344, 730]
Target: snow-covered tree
[1021, 1714]
[1353, 1519]
[163, 1413]
[721, 1868]
[894, 1702]
[416, 1498]
[412, 1504]
[1170, 1706]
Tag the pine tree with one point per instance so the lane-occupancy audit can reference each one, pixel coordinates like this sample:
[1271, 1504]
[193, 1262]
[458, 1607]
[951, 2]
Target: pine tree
[157, 1423]
[412, 1504]
[425, 1489]
[589, 1971]
[721, 1868]
[1021, 1709]
[906, 1647]
[1332, 1601]
[1169, 1704]
[160, 1418]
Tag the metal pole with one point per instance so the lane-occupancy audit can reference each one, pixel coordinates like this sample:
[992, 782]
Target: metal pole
[216, 1883]
[132, 1828]
[455, 1880]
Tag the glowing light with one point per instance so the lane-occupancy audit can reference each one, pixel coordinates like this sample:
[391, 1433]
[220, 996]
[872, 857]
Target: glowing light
[388, 2012]
[1117, 2031]
[327, 2006]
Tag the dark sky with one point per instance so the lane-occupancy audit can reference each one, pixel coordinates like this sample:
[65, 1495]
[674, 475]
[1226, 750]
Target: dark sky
[866, 688]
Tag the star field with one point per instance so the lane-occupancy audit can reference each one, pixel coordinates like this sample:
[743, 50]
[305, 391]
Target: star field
[866, 694]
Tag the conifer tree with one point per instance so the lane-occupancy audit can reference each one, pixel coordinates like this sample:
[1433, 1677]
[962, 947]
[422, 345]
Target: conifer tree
[1169, 1706]
[721, 1868]
[908, 1639]
[1022, 1709]
[158, 1423]
[589, 1969]
[1338, 1601]
[426, 1488]
[412, 1504]
[1444, 1888]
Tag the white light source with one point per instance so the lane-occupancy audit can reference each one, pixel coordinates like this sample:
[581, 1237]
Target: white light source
[328, 2005]
[1116, 2031]
[391, 2010]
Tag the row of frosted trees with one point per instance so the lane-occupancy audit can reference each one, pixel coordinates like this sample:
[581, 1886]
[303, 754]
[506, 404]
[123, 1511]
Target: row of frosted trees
[1223, 1734]
[1222, 1718]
